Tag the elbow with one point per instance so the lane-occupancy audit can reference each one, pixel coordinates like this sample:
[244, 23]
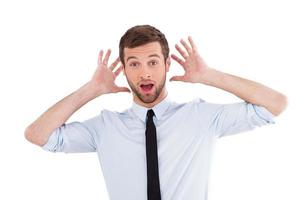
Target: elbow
[28, 134]
[32, 137]
[281, 104]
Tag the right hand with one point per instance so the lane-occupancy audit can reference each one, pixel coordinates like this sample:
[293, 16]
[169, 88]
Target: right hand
[104, 77]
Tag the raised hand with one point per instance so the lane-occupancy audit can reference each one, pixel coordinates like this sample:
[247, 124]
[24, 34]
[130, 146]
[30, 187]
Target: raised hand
[194, 66]
[103, 80]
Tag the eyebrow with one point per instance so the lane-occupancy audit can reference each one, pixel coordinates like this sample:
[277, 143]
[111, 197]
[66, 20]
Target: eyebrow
[152, 55]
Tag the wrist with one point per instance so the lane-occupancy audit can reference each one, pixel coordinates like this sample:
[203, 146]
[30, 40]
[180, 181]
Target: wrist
[89, 91]
[212, 77]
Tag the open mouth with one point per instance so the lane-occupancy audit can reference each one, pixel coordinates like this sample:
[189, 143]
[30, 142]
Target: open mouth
[146, 87]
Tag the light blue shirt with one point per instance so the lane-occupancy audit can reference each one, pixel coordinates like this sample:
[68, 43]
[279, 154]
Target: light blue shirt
[186, 135]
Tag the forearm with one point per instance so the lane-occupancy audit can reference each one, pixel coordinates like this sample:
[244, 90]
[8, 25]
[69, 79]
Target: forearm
[40, 130]
[247, 90]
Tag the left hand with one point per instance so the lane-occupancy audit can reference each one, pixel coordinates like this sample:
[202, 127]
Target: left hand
[194, 66]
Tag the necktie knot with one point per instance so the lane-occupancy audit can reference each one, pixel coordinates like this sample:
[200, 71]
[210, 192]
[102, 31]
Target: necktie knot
[150, 113]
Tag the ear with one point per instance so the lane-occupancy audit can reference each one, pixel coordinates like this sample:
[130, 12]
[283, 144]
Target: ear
[167, 63]
[123, 70]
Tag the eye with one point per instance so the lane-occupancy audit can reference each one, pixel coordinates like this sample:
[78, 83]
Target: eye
[134, 64]
[153, 62]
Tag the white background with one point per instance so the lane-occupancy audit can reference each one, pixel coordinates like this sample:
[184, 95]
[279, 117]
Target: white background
[48, 49]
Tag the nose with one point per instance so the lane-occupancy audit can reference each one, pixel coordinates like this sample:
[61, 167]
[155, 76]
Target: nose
[145, 73]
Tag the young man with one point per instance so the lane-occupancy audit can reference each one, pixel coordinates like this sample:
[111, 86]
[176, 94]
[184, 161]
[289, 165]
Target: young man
[157, 149]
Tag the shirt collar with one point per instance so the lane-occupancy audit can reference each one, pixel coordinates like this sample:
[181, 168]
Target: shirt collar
[158, 109]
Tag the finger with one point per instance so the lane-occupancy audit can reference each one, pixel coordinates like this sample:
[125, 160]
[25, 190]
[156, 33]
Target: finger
[194, 48]
[177, 78]
[181, 51]
[188, 49]
[180, 61]
[117, 72]
[114, 64]
[106, 59]
[100, 57]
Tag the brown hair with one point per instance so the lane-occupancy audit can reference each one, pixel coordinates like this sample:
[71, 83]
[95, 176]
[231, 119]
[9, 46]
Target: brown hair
[140, 35]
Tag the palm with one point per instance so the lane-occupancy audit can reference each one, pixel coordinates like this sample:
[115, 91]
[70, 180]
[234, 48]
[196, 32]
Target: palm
[104, 77]
[192, 63]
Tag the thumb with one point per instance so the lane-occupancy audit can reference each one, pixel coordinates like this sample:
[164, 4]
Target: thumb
[177, 78]
[123, 89]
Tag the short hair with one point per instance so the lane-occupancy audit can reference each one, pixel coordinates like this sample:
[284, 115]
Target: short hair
[140, 35]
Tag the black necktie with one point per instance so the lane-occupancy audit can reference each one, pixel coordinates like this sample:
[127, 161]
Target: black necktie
[153, 183]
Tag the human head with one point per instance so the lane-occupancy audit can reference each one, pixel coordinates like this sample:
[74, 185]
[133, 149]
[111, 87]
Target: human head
[140, 35]
[144, 54]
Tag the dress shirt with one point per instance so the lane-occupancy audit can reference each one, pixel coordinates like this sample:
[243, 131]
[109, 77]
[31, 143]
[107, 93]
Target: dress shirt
[186, 135]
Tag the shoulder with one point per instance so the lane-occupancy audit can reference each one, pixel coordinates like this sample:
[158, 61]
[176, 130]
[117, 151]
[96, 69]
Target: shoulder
[106, 114]
[197, 101]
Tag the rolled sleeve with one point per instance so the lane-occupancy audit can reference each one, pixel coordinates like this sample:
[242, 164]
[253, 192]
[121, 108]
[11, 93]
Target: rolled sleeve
[74, 137]
[240, 117]
[233, 118]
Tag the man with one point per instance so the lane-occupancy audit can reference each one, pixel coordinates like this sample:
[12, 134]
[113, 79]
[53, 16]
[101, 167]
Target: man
[157, 149]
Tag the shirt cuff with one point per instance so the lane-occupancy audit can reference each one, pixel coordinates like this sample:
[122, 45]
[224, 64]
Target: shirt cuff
[264, 114]
[51, 143]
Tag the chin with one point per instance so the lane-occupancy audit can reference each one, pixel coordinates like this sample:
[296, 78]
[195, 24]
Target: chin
[147, 98]
[151, 100]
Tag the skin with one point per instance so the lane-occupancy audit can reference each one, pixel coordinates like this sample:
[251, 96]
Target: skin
[146, 64]
[197, 71]
[150, 68]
